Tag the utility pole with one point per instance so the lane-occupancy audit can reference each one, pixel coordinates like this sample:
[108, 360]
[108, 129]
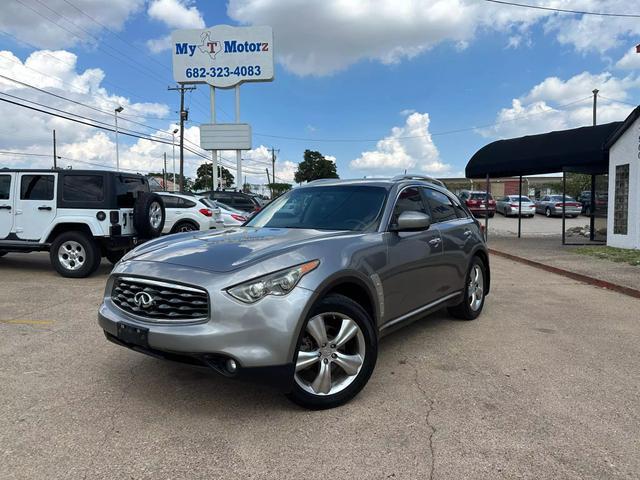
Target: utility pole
[273, 163]
[164, 173]
[183, 117]
[55, 157]
[269, 182]
[116, 111]
[595, 104]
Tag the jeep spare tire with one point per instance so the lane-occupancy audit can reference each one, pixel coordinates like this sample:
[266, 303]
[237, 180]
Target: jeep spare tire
[149, 215]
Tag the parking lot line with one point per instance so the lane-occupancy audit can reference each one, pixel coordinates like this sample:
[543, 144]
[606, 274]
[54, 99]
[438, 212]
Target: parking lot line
[28, 322]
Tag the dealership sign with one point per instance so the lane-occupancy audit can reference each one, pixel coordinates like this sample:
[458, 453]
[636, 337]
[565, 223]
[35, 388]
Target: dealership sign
[223, 56]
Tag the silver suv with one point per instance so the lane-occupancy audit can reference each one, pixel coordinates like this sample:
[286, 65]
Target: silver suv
[300, 295]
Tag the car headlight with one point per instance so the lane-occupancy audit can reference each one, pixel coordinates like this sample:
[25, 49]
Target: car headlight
[278, 283]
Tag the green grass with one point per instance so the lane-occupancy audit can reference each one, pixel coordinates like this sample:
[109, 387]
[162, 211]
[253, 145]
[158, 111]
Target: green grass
[621, 255]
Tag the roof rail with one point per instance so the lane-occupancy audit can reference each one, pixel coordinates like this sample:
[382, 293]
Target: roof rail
[426, 178]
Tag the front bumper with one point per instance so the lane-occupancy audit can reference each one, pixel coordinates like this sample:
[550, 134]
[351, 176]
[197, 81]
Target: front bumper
[260, 335]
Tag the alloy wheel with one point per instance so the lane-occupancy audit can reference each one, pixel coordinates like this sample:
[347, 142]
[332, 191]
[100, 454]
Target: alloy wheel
[330, 355]
[155, 214]
[71, 255]
[475, 291]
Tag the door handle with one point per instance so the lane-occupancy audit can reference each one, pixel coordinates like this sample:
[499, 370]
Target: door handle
[44, 207]
[5, 207]
[467, 233]
[434, 242]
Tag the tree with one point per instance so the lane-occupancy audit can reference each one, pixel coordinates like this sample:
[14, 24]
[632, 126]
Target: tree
[278, 188]
[577, 183]
[204, 179]
[315, 166]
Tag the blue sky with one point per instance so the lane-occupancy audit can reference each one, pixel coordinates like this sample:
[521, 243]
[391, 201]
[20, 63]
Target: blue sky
[372, 73]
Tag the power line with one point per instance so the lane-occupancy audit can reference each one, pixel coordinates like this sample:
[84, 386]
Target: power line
[564, 10]
[618, 101]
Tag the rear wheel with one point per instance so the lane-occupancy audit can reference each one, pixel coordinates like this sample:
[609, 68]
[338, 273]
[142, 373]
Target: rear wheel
[336, 354]
[74, 255]
[2, 254]
[185, 227]
[547, 212]
[471, 305]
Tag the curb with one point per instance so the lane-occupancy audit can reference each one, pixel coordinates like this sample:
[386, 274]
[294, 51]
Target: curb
[631, 292]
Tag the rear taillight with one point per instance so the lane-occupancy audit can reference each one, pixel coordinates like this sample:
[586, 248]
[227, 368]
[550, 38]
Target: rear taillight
[206, 212]
[558, 205]
[239, 218]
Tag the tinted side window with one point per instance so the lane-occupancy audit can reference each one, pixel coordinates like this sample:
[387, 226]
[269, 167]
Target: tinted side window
[5, 186]
[170, 202]
[441, 207]
[36, 187]
[83, 188]
[187, 203]
[409, 200]
[126, 188]
[460, 211]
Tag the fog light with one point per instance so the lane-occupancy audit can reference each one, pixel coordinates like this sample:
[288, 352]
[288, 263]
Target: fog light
[232, 366]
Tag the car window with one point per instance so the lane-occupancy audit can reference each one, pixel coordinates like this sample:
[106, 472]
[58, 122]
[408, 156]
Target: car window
[126, 189]
[83, 188]
[36, 187]
[348, 207]
[170, 202]
[460, 211]
[187, 203]
[5, 186]
[409, 200]
[441, 207]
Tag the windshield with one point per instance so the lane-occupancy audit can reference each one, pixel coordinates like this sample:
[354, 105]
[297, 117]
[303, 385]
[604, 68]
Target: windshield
[515, 199]
[348, 207]
[558, 198]
[480, 196]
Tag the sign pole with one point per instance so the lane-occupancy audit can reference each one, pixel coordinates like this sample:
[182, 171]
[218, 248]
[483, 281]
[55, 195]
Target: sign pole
[214, 153]
[238, 152]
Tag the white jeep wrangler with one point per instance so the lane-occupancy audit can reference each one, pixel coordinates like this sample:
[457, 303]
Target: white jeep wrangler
[78, 216]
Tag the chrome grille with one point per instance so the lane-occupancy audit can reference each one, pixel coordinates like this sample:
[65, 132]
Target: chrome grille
[160, 301]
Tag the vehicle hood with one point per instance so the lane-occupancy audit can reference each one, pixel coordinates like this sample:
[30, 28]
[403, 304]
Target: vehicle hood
[228, 249]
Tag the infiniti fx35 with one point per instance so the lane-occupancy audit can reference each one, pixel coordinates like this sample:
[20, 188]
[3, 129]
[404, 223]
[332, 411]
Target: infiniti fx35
[300, 295]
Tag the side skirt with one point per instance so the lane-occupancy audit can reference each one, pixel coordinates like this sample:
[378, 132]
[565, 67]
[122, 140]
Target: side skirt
[399, 322]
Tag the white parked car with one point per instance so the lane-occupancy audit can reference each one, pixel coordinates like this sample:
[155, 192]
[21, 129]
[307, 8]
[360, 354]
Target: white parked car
[186, 213]
[230, 216]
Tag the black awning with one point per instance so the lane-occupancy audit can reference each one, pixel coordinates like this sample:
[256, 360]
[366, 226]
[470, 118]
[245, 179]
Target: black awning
[578, 150]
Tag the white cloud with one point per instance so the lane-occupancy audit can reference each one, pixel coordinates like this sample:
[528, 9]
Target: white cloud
[258, 159]
[544, 108]
[42, 24]
[175, 14]
[408, 147]
[26, 130]
[389, 31]
[630, 60]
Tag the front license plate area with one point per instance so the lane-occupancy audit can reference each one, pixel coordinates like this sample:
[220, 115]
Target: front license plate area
[133, 335]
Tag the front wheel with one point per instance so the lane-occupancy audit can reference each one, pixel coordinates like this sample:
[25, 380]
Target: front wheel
[547, 212]
[474, 293]
[74, 255]
[336, 354]
[114, 256]
[2, 253]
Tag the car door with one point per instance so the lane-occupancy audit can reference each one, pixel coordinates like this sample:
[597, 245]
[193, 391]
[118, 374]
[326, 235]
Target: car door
[413, 276]
[459, 234]
[35, 205]
[7, 181]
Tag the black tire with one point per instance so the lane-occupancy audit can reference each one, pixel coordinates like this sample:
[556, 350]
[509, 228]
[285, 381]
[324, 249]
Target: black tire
[587, 211]
[88, 256]
[114, 256]
[2, 254]
[185, 226]
[547, 212]
[146, 226]
[463, 310]
[347, 307]
[491, 215]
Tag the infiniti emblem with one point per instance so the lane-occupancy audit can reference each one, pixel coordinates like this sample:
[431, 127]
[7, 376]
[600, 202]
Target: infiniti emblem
[143, 299]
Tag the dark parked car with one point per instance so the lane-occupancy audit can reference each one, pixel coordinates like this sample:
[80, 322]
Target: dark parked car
[237, 200]
[475, 201]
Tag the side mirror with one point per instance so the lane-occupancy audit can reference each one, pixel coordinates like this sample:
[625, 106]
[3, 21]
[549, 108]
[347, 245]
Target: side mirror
[412, 221]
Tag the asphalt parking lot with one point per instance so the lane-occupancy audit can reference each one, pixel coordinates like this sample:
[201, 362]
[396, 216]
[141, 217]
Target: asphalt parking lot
[545, 385]
[538, 225]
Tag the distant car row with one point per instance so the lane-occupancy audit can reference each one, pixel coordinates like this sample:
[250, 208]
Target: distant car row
[549, 205]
